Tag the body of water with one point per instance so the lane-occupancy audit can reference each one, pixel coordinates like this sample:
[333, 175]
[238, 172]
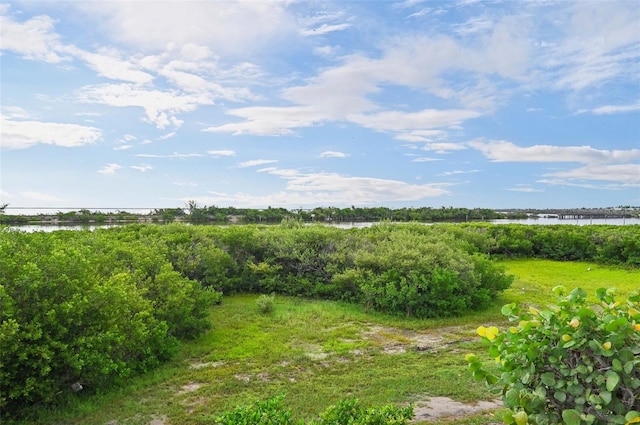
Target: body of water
[362, 224]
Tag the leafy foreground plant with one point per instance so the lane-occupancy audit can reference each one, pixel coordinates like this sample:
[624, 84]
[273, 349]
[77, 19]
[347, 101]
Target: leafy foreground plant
[345, 412]
[575, 364]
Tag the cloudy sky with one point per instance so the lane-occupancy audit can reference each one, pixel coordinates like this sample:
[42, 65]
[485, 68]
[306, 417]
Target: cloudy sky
[295, 104]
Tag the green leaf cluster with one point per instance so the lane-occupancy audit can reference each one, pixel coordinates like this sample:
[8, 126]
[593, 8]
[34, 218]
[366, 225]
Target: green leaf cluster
[574, 364]
[345, 412]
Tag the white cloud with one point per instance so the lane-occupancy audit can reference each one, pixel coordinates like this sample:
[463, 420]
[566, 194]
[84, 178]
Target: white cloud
[344, 92]
[256, 162]
[142, 167]
[14, 112]
[474, 25]
[504, 151]
[443, 147]
[110, 168]
[161, 107]
[4, 194]
[23, 134]
[328, 189]
[599, 44]
[425, 159]
[326, 51]
[421, 135]
[627, 175]
[231, 27]
[525, 189]
[173, 155]
[455, 172]
[399, 121]
[34, 39]
[122, 147]
[324, 29]
[333, 154]
[167, 136]
[108, 64]
[616, 109]
[88, 114]
[126, 138]
[219, 153]
[41, 197]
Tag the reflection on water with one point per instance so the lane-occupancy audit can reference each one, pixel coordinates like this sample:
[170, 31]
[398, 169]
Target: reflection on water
[54, 227]
[363, 224]
[579, 222]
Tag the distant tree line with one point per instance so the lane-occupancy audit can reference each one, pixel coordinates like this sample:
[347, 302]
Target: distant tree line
[194, 213]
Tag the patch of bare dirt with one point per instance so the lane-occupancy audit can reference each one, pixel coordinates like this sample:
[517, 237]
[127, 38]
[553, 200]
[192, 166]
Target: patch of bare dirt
[242, 377]
[190, 387]
[398, 341]
[198, 365]
[443, 407]
[159, 420]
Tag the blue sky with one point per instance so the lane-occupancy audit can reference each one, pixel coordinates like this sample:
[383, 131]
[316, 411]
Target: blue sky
[295, 104]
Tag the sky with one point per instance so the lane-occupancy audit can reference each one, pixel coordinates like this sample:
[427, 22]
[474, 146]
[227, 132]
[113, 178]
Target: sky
[304, 104]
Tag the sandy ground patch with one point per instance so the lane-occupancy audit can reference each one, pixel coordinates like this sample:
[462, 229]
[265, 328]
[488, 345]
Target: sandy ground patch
[190, 387]
[442, 407]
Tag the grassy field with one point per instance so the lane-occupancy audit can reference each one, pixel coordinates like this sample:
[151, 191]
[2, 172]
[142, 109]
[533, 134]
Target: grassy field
[320, 352]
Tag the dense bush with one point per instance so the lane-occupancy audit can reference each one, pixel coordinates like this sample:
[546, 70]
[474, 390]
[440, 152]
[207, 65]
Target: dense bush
[599, 243]
[426, 275]
[576, 364]
[345, 412]
[82, 309]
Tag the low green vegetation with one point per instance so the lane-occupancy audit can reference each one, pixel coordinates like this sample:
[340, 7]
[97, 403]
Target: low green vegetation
[122, 324]
[349, 411]
[536, 277]
[572, 364]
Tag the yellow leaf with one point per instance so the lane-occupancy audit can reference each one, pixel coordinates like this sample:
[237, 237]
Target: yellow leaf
[492, 332]
[566, 337]
[606, 345]
[482, 331]
[534, 310]
[574, 323]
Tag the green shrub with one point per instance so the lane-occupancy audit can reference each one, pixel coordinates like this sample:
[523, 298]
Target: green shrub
[351, 412]
[265, 303]
[574, 364]
[413, 271]
[346, 412]
[269, 412]
[88, 309]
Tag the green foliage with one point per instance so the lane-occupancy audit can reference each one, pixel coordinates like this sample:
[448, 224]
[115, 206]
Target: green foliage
[269, 412]
[345, 412]
[351, 412]
[88, 309]
[405, 270]
[598, 243]
[266, 303]
[576, 363]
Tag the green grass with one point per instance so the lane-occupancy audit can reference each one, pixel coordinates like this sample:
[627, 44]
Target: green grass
[535, 278]
[320, 352]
